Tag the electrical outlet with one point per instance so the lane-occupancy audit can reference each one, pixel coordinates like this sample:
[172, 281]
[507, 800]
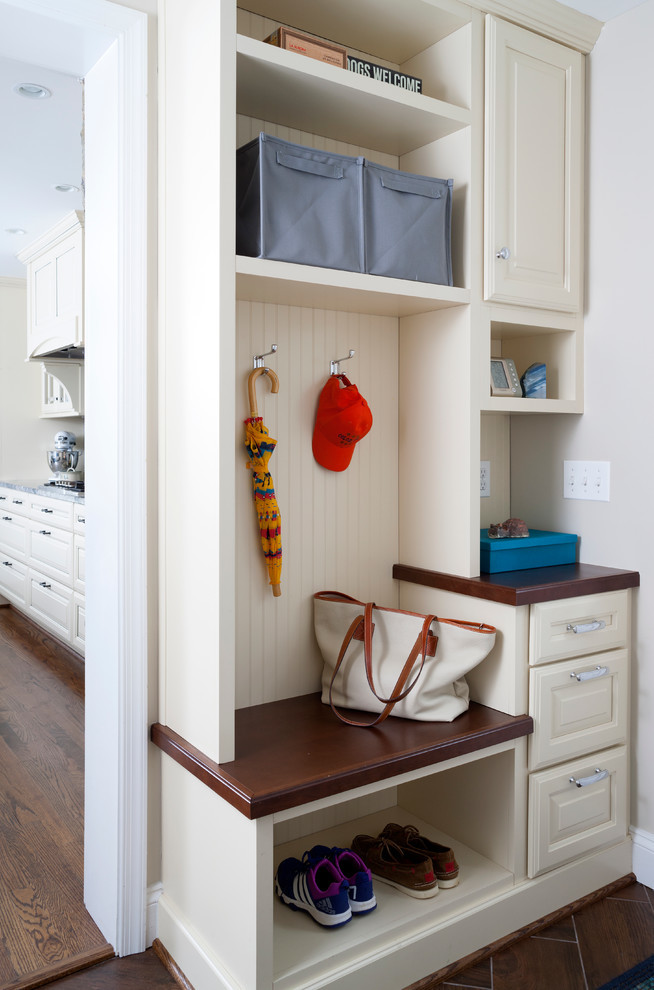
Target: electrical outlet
[587, 480]
[484, 480]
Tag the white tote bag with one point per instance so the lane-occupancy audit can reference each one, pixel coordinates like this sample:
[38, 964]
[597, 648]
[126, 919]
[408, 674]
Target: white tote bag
[391, 662]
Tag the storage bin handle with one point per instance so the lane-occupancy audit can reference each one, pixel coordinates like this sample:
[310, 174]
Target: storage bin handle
[309, 165]
[593, 779]
[585, 627]
[588, 675]
[405, 184]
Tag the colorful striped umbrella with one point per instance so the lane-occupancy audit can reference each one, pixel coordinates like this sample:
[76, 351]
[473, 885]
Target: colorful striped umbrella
[260, 446]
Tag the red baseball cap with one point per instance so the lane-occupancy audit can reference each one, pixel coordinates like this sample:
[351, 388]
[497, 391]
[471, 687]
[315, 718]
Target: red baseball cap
[342, 419]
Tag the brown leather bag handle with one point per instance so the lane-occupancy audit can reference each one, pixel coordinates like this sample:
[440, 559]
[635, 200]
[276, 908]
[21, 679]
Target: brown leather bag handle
[399, 691]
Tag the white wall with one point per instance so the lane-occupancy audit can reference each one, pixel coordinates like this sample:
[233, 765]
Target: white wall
[619, 412]
[24, 438]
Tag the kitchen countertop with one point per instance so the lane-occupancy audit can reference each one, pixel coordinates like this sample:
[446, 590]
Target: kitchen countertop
[49, 491]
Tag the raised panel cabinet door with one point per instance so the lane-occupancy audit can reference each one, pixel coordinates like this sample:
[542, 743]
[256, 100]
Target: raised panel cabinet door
[534, 169]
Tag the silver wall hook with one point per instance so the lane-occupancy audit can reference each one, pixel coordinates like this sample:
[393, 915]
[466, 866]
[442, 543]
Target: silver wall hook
[334, 366]
[257, 360]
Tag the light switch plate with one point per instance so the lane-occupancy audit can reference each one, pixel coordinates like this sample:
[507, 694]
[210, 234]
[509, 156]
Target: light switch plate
[588, 480]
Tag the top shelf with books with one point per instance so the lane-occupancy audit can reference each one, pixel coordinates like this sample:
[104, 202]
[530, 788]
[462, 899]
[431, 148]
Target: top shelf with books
[391, 31]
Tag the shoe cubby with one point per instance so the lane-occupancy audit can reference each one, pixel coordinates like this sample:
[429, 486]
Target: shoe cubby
[470, 807]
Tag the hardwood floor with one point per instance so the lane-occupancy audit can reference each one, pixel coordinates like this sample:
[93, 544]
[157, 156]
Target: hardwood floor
[43, 922]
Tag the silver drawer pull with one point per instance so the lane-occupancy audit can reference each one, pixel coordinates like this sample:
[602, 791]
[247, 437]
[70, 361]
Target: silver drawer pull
[7, 518]
[44, 584]
[588, 675]
[47, 510]
[7, 563]
[585, 627]
[17, 501]
[585, 781]
[45, 532]
[81, 519]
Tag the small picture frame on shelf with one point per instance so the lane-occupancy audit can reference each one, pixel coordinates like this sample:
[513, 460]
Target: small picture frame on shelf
[504, 377]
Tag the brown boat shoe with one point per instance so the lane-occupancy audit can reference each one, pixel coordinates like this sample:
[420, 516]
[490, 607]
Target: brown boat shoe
[406, 869]
[445, 865]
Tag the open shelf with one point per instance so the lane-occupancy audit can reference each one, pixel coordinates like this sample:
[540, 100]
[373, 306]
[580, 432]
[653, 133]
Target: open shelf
[261, 280]
[387, 30]
[302, 948]
[560, 348]
[296, 91]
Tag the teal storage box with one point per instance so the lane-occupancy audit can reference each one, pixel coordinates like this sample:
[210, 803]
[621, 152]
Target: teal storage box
[540, 549]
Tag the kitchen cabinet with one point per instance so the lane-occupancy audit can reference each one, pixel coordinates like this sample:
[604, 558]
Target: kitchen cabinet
[42, 560]
[55, 288]
[534, 169]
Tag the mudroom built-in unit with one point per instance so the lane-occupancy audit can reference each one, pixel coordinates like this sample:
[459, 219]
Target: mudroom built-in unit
[250, 754]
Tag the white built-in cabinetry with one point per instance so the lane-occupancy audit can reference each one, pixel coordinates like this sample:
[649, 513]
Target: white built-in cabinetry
[425, 357]
[55, 280]
[55, 314]
[42, 546]
[534, 169]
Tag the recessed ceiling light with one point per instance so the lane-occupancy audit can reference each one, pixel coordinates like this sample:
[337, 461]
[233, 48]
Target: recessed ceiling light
[33, 91]
[65, 188]
[15, 230]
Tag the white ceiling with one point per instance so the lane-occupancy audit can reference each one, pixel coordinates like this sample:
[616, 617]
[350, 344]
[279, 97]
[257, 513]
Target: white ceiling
[42, 148]
[42, 139]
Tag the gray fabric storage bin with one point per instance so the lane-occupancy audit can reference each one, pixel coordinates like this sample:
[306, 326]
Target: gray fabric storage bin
[407, 222]
[300, 205]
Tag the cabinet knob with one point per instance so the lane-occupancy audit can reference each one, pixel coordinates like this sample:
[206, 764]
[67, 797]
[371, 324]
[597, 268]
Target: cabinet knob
[45, 532]
[503, 254]
[7, 563]
[47, 510]
[7, 518]
[17, 501]
[44, 584]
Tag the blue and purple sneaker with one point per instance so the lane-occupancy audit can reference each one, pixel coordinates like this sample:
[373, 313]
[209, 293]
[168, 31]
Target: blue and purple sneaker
[315, 886]
[355, 871]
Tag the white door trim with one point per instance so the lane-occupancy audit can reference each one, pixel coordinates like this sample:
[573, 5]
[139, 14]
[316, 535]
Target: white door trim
[117, 465]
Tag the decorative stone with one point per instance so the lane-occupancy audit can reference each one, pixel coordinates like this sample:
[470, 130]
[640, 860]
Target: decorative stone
[509, 529]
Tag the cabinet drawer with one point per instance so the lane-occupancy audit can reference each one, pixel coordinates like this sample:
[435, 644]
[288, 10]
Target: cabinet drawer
[50, 604]
[56, 511]
[13, 579]
[51, 550]
[575, 626]
[14, 501]
[13, 533]
[578, 706]
[574, 809]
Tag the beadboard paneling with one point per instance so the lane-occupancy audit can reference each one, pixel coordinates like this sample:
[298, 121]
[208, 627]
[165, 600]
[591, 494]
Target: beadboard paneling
[339, 529]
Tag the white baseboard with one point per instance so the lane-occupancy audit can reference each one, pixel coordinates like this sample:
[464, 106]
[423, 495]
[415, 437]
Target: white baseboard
[197, 963]
[154, 892]
[643, 861]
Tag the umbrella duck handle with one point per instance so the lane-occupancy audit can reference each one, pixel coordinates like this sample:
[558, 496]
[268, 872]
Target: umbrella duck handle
[252, 392]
